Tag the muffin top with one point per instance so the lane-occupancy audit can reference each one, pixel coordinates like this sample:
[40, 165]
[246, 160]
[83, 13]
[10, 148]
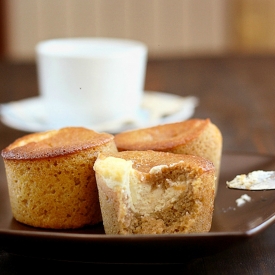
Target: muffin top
[144, 161]
[162, 137]
[55, 143]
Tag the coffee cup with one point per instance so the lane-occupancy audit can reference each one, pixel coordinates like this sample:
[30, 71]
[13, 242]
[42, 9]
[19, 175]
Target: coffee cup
[91, 81]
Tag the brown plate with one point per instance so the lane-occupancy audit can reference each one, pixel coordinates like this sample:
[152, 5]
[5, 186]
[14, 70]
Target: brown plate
[231, 225]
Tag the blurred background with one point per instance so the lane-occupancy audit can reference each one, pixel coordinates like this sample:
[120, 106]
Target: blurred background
[174, 28]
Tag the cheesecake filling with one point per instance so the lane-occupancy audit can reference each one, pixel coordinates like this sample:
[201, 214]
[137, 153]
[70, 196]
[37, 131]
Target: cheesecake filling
[256, 180]
[142, 198]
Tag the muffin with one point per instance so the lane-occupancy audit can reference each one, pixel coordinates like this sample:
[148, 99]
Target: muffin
[150, 192]
[198, 137]
[51, 180]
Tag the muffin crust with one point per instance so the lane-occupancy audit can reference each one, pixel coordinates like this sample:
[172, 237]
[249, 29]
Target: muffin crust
[51, 179]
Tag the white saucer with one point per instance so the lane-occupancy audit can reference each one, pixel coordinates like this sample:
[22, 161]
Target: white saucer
[157, 108]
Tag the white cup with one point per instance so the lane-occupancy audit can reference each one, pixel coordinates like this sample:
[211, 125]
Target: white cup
[89, 81]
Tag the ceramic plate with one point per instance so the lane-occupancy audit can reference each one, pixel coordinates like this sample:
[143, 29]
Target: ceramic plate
[157, 108]
[231, 224]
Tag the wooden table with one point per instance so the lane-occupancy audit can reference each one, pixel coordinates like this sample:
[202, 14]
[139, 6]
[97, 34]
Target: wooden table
[237, 93]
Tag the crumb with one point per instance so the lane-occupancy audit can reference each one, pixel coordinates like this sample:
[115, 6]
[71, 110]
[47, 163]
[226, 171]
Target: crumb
[243, 199]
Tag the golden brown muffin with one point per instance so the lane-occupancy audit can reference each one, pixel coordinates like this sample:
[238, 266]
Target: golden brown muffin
[51, 179]
[198, 137]
[150, 192]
